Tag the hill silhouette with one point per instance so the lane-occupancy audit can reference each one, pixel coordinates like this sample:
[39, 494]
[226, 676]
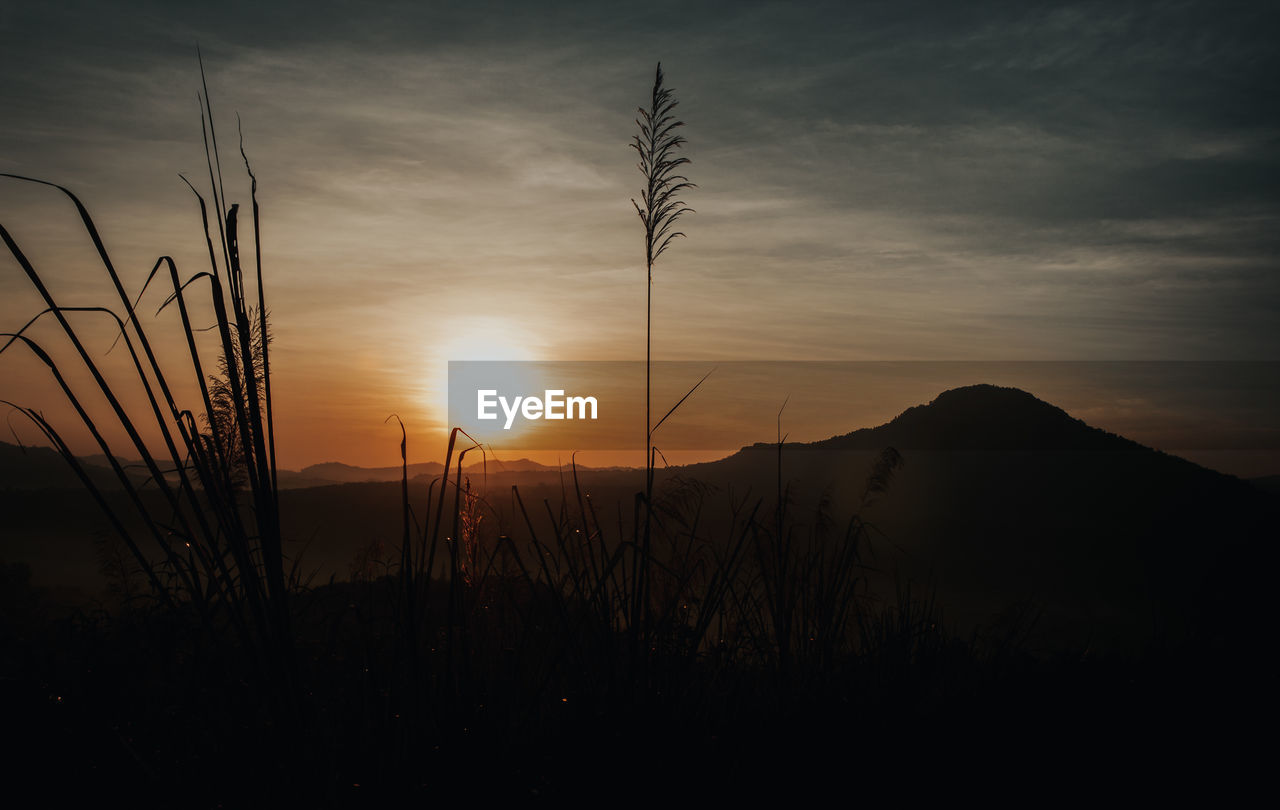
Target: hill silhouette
[1005, 500]
[976, 418]
[983, 418]
[332, 472]
[32, 468]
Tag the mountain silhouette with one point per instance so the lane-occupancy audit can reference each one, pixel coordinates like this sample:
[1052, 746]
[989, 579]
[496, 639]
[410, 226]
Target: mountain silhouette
[980, 418]
[1004, 499]
[986, 418]
[332, 472]
[39, 468]
[34, 468]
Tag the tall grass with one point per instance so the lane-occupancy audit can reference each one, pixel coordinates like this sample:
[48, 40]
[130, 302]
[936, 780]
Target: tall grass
[659, 208]
[211, 545]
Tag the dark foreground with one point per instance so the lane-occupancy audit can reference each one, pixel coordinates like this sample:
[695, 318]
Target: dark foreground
[141, 705]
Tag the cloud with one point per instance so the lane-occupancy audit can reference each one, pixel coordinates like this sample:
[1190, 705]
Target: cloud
[905, 179]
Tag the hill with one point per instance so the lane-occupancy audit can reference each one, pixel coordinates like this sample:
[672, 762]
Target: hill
[41, 468]
[1004, 500]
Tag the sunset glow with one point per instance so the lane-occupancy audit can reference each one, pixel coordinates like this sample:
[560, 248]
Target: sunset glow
[550, 401]
[465, 200]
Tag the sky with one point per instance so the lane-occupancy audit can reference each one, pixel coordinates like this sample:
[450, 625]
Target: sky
[916, 181]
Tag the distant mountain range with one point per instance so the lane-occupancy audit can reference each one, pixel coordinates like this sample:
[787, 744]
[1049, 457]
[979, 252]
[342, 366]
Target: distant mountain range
[333, 472]
[976, 418]
[41, 468]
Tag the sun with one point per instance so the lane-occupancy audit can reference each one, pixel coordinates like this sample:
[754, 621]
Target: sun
[472, 338]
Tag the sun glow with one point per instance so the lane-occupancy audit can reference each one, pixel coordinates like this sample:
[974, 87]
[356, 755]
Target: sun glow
[473, 338]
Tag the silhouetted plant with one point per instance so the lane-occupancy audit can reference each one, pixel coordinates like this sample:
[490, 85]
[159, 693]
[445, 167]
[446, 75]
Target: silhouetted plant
[215, 541]
[659, 208]
[660, 205]
[221, 420]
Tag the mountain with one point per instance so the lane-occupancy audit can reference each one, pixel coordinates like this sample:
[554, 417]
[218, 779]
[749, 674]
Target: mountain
[333, 472]
[1004, 499]
[984, 418]
[39, 468]
[976, 418]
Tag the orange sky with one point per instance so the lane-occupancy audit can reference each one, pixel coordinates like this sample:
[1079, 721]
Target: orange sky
[952, 197]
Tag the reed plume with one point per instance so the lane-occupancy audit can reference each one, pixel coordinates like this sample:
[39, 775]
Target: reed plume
[659, 208]
[660, 205]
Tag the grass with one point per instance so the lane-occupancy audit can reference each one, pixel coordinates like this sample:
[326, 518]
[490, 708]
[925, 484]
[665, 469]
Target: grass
[213, 547]
[659, 209]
